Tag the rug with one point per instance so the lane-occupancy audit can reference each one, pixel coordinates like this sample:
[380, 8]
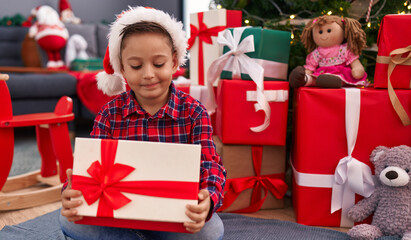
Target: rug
[26, 156]
[236, 227]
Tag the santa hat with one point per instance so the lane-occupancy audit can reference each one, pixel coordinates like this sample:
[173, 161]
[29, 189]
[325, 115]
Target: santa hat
[64, 5]
[111, 81]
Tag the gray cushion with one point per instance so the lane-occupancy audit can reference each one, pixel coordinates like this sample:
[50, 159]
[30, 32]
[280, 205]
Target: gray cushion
[102, 41]
[11, 39]
[22, 85]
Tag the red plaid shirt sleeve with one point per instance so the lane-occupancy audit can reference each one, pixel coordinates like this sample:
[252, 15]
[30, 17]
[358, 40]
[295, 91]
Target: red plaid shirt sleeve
[213, 174]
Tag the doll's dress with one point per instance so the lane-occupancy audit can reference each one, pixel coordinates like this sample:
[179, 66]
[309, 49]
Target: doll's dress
[335, 61]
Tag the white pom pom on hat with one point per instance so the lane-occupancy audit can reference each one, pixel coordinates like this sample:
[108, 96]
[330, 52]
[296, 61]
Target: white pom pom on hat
[111, 81]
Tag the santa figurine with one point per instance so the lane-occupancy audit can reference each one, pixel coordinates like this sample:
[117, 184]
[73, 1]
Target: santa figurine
[50, 34]
[66, 13]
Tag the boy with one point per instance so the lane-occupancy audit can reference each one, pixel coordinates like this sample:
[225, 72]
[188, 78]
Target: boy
[146, 46]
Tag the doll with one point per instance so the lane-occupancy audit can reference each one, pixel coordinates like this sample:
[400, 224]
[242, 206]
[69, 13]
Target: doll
[50, 34]
[334, 45]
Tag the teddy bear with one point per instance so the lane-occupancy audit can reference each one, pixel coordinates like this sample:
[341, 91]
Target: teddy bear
[50, 34]
[334, 44]
[391, 200]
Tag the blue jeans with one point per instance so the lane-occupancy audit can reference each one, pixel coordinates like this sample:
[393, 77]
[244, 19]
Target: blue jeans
[212, 230]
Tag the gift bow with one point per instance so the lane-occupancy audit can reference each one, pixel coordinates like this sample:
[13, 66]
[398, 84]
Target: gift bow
[272, 182]
[204, 34]
[105, 183]
[351, 176]
[237, 61]
[396, 58]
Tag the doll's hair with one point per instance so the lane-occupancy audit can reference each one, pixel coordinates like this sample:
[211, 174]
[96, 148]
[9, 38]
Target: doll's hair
[354, 36]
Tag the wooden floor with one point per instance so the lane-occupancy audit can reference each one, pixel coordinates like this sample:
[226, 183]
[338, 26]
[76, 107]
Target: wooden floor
[18, 216]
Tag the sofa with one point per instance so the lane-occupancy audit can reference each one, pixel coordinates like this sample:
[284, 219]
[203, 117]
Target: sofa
[39, 90]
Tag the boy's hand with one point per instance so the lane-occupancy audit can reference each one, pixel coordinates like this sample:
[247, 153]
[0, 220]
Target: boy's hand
[198, 213]
[67, 203]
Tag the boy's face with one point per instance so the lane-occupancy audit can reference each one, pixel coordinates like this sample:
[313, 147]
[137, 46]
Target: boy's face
[148, 65]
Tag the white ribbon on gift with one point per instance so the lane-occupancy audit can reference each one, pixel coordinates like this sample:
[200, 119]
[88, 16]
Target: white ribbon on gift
[273, 69]
[351, 176]
[270, 95]
[239, 62]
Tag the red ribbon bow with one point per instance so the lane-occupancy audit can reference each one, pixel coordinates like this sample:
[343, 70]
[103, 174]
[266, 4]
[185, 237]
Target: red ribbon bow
[272, 182]
[105, 184]
[204, 34]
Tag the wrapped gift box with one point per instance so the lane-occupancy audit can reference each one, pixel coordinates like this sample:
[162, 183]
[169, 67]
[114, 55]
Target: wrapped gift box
[389, 40]
[203, 41]
[236, 113]
[325, 137]
[271, 51]
[133, 184]
[196, 91]
[255, 176]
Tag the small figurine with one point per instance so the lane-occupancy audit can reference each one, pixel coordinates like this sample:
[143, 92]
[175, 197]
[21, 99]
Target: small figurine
[50, 34]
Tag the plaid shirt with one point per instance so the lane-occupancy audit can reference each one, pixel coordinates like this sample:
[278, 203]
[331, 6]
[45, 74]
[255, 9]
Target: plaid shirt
[182, 120]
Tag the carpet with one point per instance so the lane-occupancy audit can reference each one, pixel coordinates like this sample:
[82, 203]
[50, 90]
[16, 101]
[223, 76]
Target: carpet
[26, 156]
[237, 227]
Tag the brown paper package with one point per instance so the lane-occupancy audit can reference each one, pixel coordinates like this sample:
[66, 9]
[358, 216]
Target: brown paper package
[237, 160]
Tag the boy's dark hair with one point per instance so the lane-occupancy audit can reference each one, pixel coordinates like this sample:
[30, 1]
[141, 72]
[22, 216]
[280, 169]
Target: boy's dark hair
[145, 27]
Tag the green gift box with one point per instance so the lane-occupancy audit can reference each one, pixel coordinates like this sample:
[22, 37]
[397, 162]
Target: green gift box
[272, 50]
[91, 64]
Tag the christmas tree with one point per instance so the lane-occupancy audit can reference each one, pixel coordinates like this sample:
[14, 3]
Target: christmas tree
[292, 15]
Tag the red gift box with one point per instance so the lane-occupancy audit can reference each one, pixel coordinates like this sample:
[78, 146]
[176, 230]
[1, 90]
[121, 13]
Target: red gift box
[324, 137]
[389, 40]
[236, 113]
[393, 67]
[134, 184]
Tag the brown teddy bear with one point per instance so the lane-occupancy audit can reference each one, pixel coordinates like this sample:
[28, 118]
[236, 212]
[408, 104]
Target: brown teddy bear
[391, 200]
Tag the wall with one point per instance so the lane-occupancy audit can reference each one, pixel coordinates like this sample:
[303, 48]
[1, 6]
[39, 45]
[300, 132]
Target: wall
[91, 11]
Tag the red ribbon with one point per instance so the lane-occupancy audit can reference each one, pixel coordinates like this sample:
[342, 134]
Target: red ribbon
[204, 34]
[105, 184]
[271, 182]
